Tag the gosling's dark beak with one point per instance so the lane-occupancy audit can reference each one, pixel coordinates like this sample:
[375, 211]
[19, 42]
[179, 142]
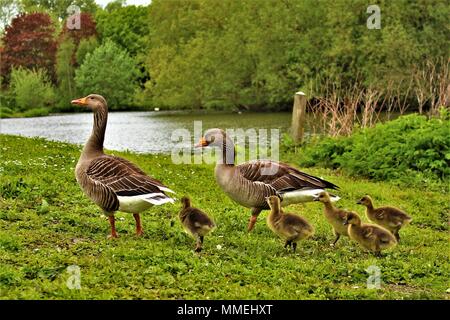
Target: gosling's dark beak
[202, 143]
[358, 202]
[80, 102]
[316, 199]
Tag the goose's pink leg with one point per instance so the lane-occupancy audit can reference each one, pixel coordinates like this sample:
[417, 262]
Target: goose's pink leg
[253, 218]
[112, 222]
[139, 230]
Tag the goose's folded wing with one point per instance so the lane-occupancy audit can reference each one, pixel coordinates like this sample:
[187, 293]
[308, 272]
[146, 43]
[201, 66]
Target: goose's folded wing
[123, 177]
[281, 176]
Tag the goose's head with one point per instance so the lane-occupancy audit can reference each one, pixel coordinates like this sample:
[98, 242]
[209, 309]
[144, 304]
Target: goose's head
[212, 138]
[352, 218]
[365, 201]
[92, 101]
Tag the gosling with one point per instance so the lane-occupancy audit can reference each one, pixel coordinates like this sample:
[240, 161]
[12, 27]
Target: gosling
[369, 236]
[390, 218]
[334, 216]
[288, 226]
[196, 223]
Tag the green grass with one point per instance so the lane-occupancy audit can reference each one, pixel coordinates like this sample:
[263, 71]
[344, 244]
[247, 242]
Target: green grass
[47, 224]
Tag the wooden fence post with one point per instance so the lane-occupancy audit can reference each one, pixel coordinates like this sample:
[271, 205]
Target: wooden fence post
[298, 116]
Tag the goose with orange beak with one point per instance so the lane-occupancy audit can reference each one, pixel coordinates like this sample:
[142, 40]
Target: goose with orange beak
[113, 183]
[250, 183]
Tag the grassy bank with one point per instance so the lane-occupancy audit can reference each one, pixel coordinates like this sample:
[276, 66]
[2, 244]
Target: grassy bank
[47, 224]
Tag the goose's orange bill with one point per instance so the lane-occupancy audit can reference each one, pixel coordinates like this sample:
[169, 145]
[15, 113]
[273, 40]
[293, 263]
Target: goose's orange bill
[80, 102]
[202, 143]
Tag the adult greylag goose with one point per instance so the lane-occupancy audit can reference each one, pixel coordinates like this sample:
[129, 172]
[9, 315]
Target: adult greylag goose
[250, 183]
[113, 183]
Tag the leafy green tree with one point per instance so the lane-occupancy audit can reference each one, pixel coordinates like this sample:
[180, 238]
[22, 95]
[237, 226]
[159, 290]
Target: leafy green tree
[125, 25]
[31, 89]
[65, 73]
[58, 8]
[86, 46]
[256, 54]
[108, 71]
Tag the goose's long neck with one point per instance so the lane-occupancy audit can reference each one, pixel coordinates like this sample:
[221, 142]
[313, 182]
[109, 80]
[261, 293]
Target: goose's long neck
[228, 153]
[95, 143]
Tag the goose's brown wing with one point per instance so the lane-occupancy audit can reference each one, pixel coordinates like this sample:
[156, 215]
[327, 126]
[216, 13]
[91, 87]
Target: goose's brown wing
[281, 176]
[122, 177]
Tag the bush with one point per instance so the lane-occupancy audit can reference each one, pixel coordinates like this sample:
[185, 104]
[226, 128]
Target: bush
[31, 89]
[108, 71]
[411, 146]
[7, 104]
[38, 112]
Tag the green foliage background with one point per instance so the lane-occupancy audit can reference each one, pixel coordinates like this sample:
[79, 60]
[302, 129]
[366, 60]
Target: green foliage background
[96, 75]
[412, 149]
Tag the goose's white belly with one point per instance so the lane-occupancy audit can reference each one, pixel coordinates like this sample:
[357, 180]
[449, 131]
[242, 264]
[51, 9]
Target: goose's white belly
[134, 204]
[307, 195]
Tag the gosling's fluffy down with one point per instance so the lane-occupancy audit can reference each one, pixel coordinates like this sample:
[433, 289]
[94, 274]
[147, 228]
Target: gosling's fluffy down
[390, 218]
[334, 216]
[288, 226]
[370, 236]
[196, 222]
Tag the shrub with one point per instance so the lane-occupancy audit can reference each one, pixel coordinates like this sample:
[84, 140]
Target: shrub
[411, 146]
[31, 89]
[37, 112]
[108, 71]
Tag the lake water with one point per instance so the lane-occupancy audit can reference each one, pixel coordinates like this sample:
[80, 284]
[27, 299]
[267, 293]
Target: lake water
[143, 132]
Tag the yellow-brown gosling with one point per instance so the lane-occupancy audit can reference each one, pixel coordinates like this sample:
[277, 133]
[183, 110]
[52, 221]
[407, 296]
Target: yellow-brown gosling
[370, 236]
[390, 218]
[113, 183]
[288, 226]
[334, 216]
[196, 222]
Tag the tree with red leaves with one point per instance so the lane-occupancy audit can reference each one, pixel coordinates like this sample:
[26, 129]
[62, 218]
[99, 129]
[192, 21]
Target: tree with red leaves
[29, 43]
[87, 28]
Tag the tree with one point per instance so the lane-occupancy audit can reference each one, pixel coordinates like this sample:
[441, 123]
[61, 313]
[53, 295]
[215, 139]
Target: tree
[65, 73]
[255, 54]
[29, 42]
[59, 8]
[125, 25]
[86, 46]
[31, 89]
[8, 10]
[87, 29]
[108, 71]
